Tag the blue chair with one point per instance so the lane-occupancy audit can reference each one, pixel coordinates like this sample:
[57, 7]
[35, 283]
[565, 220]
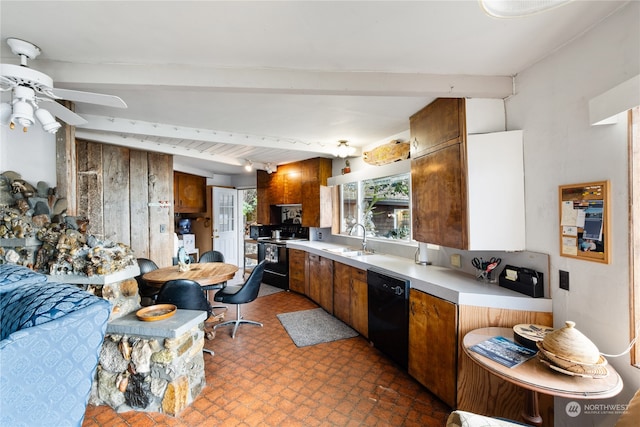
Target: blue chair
[241, 294]
[185, 294]
[147, 293]
[213, 256]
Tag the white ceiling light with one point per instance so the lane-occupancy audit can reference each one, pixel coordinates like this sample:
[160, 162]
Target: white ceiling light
[49, 124]
[518, 8]
[270, 168]
[248, 166]
[343, 150]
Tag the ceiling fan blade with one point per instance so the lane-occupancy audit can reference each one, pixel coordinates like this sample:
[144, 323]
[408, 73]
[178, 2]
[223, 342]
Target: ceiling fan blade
[63, 113]
[89, 97]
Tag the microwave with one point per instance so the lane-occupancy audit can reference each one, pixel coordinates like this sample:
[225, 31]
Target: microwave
[258, 231]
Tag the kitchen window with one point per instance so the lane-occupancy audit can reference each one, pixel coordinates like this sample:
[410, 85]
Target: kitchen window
[381, 205]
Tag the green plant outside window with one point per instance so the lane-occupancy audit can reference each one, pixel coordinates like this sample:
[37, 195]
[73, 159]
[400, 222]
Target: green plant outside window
[382, 205]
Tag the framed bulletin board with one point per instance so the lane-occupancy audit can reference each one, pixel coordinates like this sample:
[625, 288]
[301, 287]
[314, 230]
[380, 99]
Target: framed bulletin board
[584, 221]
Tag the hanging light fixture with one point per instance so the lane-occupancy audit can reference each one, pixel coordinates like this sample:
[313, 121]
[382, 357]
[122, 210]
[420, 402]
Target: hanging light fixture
[270, 168]
[343, 150]
[248, 166]
[518, 9]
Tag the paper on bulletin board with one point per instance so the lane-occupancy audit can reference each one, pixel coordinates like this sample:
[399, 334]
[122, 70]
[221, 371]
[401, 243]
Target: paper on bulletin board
[569, 246]
[569, 214]
[569, 230]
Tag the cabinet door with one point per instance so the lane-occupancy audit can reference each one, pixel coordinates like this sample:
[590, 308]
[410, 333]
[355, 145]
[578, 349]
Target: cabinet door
[359, 299]
[190, 193]
[440, 122]
[315, 281]
[292, 187]
[433, 344]
[296, 270]
[439, 198]
[342, 292]
[326, 284]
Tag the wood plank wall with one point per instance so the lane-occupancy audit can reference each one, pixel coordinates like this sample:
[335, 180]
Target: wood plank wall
[114, 188]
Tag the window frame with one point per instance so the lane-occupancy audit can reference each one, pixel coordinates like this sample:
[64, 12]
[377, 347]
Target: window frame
[361, 200]
[634, 227]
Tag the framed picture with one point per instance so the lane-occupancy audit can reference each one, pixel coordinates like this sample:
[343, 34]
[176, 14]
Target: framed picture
[584, 221]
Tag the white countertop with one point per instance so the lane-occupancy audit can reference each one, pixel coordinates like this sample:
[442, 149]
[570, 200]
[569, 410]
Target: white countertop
[451, 285]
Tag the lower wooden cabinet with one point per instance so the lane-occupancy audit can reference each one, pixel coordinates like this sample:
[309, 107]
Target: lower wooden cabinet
[320, 279]
[433, 344]
[359, 302]
[350, 297]
[296, 270]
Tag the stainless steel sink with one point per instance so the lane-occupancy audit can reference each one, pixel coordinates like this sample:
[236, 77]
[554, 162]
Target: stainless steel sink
[348, 252]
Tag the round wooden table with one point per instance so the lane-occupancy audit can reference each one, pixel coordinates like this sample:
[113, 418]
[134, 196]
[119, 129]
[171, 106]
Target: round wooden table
[206, 273]
[535, 377]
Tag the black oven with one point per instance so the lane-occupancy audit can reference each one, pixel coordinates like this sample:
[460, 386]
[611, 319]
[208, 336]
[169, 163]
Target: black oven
[276, 271]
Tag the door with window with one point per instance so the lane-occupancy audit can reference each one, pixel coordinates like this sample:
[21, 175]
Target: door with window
[225, 236]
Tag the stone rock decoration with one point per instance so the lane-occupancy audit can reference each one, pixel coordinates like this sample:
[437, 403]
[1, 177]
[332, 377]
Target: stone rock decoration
[36, 232]
[150, 374]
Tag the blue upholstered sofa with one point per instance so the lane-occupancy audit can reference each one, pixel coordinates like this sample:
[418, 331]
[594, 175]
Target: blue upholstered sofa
[50, 339]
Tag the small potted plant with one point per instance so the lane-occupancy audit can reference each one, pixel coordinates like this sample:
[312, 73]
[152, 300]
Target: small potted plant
[347, 167]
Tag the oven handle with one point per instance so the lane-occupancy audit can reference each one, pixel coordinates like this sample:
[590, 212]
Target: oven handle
[275, 273]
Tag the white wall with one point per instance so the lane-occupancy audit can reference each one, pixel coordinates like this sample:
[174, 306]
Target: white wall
[32, 154]
[551, 106]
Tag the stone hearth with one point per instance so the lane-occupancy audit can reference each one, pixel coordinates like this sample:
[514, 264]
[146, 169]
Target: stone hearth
[151, 366]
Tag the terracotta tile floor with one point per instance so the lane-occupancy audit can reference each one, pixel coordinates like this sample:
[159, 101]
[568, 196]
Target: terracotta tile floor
[262, 379]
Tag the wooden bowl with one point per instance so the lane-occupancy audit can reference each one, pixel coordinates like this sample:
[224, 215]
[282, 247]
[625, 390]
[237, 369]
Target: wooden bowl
[156, 312]
[571, 344]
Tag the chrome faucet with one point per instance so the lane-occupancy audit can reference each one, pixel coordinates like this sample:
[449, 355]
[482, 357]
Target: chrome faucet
[364, 235]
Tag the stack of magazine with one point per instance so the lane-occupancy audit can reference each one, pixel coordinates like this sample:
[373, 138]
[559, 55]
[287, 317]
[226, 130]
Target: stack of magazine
[503, 351]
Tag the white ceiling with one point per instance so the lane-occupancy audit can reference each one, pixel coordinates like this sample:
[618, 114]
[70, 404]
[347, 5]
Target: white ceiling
[218, 82]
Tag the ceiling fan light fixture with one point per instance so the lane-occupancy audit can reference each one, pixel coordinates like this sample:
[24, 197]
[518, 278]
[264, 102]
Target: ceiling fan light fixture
[49, 124]
[518, 9]
[248, 166]
[22, 113]
[343, 150]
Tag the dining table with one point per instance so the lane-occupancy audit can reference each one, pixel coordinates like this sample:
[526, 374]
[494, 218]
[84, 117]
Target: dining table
[206, 274]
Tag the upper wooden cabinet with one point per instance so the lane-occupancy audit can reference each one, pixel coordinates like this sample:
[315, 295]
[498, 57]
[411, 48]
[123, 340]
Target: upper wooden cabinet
[440, 122]
[450, 120]
[189, 193]
[468, 192]
[296, 183]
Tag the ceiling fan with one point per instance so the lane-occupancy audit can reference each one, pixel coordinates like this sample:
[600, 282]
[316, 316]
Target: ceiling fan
[32, 93]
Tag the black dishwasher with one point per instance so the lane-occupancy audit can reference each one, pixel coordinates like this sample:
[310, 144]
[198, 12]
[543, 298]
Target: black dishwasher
[389, 315]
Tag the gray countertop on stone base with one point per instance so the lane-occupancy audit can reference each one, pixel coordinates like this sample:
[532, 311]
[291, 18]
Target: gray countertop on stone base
[129, 272]
[171, 327]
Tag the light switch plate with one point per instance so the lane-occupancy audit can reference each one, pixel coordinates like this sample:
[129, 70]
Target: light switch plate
[564, 280]
[455, 261]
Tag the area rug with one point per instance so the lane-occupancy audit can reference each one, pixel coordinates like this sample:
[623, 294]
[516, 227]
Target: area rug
[315, 326]
[268, 290]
